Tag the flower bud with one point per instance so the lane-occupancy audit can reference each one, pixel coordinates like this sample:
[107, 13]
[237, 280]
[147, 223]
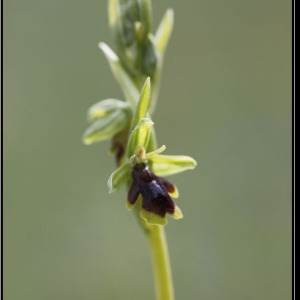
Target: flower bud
[106, 127]
[149, 58]
[105, 107]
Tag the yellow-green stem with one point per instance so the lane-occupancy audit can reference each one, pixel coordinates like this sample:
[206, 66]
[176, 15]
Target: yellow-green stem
[156, 237]
[161, 262]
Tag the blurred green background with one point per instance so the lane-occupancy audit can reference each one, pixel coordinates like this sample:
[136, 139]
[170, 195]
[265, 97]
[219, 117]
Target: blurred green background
[225, 100]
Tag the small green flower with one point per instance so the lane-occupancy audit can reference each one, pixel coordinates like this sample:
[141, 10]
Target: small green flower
[108, 117]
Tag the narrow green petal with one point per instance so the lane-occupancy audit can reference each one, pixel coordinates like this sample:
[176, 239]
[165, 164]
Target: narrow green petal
[106, 107]
[105, 128]
[164, 165]
[121, 76]
[164, 31]
[143, 103]
[153, 218]
[118, 178]
[157, 151]
[177, 213]
[139, 136]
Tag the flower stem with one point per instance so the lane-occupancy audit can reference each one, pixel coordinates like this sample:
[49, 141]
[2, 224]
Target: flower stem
[156, 237]
[161, 262]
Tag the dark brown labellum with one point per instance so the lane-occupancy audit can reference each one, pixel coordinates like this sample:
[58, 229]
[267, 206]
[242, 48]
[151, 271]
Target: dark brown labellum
[154, 190]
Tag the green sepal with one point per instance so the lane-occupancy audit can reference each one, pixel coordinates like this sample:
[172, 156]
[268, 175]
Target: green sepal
[152, 218]
[118, 178]
[105, 107]
[105, 128]
[164, 165]
[143, 103]
[164, 31]
[128, 87]
[139, 136]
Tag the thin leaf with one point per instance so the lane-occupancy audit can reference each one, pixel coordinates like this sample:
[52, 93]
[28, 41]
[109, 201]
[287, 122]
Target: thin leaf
[143, 103]
[121, 76]
[164, 31]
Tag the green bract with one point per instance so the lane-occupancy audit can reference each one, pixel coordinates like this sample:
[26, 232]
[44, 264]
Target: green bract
[143, 103]
[118, 178]
[139, 136]
[160, 41]
[149, 57]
